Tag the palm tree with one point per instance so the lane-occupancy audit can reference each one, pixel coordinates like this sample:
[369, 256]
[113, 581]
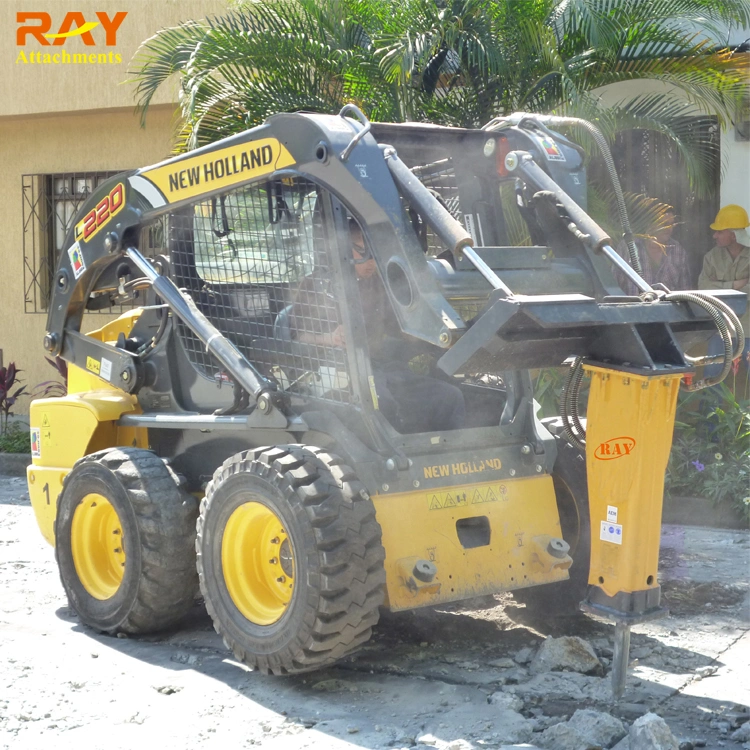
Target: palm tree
[456, 62]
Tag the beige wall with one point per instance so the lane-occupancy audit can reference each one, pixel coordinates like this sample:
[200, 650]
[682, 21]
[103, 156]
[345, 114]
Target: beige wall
[36, 88]
[69, 143]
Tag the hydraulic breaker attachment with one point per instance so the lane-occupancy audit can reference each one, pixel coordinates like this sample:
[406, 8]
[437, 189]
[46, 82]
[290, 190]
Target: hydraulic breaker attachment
[628, 439]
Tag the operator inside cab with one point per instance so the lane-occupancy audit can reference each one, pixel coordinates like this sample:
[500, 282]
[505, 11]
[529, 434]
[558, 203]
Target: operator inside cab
[409, 401]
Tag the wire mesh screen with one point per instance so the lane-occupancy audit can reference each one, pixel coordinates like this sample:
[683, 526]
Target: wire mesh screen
[256, 262]
[439, 177]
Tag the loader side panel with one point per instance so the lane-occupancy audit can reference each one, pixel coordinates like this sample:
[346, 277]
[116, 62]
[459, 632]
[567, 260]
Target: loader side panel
[480, 538]
[66, 429]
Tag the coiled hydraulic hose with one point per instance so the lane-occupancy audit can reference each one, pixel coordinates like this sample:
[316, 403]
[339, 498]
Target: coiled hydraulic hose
[569, 411]
[729, 328]
[728, 325]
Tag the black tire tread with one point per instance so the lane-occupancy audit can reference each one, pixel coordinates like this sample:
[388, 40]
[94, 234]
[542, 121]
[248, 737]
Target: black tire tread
[351, 574]
[165, 516]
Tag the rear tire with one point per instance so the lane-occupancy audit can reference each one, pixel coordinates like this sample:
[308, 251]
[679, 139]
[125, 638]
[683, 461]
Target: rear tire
[571, 488]
[290, 558]
[125, 542]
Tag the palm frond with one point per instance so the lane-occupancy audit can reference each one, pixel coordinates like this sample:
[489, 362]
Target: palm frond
[161, 56]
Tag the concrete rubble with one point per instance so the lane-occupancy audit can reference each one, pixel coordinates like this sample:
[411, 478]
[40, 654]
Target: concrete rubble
[743, 733]
[651, 732]
[569, 653]
[586, 730]
[563, 686]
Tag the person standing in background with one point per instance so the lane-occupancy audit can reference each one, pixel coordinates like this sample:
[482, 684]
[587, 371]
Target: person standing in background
[727, 266]
[663, 259]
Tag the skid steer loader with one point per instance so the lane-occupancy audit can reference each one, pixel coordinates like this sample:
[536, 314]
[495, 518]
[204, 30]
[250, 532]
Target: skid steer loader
[203, 408]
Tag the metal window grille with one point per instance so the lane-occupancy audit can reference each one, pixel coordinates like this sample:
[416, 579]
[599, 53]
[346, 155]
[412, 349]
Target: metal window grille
[256, 262]
[50, 205]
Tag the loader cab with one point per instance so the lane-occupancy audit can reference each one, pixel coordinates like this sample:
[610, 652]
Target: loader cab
[242, 256]
[247, 257]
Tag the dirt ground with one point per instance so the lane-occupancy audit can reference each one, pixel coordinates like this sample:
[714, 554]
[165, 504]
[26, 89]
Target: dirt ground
[424, 680]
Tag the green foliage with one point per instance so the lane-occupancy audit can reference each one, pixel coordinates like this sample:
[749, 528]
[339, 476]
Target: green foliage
[15, 438]
[548, 386]
[711, 450]
[9, 393]
[455, 62]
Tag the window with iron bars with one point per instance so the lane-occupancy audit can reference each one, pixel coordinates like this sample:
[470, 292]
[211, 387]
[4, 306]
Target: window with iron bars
[50, 204]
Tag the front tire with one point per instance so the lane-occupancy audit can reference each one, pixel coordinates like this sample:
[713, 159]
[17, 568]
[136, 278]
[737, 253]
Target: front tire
[290, 558]
[125, 545]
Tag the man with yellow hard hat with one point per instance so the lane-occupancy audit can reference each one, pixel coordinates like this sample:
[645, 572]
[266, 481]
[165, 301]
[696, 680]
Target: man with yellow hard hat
[727, 266]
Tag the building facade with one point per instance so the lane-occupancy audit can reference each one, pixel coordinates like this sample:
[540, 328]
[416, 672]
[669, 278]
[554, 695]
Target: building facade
[67, 120]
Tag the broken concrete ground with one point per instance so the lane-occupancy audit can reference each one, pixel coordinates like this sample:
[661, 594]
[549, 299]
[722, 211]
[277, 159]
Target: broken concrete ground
[456, 677]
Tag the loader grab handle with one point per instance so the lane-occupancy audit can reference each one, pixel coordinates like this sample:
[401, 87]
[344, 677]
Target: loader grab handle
[353, 108]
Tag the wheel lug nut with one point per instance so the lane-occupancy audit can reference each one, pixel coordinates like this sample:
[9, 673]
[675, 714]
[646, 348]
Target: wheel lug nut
[116, 531]
[281, 579]
[273, 561]
[118, 549]
[275, 540]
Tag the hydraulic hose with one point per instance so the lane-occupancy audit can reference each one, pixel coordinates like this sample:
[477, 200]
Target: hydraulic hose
[734, 325]
[569, 408]
[727, 324]
[609, 162]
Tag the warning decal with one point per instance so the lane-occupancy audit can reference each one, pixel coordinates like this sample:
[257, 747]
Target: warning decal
[460, 498]
[77, 263]
[551, 150]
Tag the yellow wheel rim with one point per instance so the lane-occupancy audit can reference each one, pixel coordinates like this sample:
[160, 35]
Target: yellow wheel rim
[258, 563]
[97, 546]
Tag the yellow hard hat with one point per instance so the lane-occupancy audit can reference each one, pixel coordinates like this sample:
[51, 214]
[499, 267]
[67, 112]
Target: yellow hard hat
[731, 217]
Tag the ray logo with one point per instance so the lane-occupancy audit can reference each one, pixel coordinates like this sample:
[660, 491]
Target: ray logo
[38, 26]
[614, 448]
